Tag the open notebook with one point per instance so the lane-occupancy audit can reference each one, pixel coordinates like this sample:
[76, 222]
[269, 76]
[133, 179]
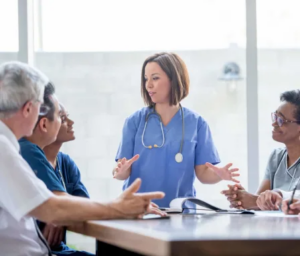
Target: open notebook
[177, 206]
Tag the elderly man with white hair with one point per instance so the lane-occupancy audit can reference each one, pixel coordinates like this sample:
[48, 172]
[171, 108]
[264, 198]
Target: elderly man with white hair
[23, 196]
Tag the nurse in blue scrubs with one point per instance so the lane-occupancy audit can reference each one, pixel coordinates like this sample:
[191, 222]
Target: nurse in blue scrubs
[166, 144]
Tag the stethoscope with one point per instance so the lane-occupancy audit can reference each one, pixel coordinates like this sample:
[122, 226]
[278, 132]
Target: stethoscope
[178, 156]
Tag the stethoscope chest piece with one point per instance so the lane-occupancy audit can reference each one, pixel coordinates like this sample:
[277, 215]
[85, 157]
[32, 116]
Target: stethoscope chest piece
[178, 157]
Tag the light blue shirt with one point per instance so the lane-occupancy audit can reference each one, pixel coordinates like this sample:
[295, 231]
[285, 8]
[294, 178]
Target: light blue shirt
[157, 166]
[282, 177]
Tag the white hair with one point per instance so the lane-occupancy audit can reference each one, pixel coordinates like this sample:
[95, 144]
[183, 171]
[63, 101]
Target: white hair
[19, 83]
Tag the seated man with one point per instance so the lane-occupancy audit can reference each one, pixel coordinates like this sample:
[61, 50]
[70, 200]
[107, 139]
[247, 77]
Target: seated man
[65, 168]
[23, 196]
[58, 176]
[283, 170]
[69, 176]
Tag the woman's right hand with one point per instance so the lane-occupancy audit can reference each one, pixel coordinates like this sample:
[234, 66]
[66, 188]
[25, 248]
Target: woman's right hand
[123, 168]
[239, 198]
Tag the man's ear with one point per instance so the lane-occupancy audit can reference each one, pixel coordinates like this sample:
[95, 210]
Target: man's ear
[43, 124]
[27, 109]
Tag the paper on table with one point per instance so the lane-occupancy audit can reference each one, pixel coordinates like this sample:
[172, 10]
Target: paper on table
[274, 214]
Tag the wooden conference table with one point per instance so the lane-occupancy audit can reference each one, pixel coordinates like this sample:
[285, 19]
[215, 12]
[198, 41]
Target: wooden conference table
[201, 234]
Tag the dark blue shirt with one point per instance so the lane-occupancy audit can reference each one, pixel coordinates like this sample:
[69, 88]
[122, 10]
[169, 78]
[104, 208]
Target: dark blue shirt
[37, 160]
[70, 176]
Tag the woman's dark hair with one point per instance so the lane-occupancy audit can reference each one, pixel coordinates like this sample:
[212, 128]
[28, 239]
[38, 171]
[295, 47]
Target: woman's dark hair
[293, 97]
[177, 72]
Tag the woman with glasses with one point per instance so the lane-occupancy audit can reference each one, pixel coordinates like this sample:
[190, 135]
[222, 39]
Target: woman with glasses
[283, 169]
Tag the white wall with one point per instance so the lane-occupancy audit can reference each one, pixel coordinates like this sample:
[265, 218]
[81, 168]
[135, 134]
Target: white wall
[101, 89]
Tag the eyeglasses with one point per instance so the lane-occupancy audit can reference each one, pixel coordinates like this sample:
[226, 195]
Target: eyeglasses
[280, 121]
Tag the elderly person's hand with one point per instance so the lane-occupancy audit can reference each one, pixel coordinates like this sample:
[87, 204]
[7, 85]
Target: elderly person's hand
[269, 200]
[239, 198]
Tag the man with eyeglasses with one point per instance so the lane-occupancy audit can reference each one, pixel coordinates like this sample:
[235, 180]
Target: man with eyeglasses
[23, 196]
[283, 169]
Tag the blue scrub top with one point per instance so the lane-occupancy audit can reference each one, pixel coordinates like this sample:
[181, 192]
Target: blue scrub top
[38, 162]
[157, 166]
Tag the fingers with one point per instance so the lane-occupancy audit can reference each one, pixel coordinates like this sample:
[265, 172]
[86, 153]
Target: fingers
[286, 210]
[56, 236]
[46, 232]
[157, 211]
[227, 166]
[235, 175]
[234, 170]
[51, 236]
[239, 186]
[61, 235]
[295, 206]
[236, 204]
[151, 195]
[278, 202]
[132, 160]
[269, 201]
[134, 187]
[234, 180]
[231, 187]
[232, 198]
[154, 205]
[228, 192]
[284, 206]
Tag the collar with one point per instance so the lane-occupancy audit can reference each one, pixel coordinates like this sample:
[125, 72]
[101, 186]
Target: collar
[4, 130]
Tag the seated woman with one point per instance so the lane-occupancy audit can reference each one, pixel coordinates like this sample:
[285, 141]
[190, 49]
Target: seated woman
[283, 169]
[60, 174]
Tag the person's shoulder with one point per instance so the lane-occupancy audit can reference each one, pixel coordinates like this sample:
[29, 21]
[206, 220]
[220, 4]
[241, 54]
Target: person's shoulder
[136, 117]
[278, 153]
[64, 157]
[30, 150]
[193, 116]
[6, 145]
[139, 113]
[27, 145]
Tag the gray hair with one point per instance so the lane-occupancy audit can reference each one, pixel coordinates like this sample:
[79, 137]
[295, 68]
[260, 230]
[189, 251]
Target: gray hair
[19, 83]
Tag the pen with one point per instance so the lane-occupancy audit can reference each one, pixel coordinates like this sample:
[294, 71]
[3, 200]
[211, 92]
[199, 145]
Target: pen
[292, 198]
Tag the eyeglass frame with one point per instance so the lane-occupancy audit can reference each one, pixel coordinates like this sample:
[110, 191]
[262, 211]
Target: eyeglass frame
[275, 120]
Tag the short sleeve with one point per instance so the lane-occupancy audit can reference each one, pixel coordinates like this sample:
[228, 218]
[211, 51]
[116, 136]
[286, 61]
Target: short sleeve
[74, 177]
[38, 162]
[272, 165]
[205, 149]
[21, 190]
[126, 146]
[269, 167]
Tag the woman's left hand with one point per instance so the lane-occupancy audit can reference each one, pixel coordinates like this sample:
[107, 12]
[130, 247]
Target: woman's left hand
[225, 173]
